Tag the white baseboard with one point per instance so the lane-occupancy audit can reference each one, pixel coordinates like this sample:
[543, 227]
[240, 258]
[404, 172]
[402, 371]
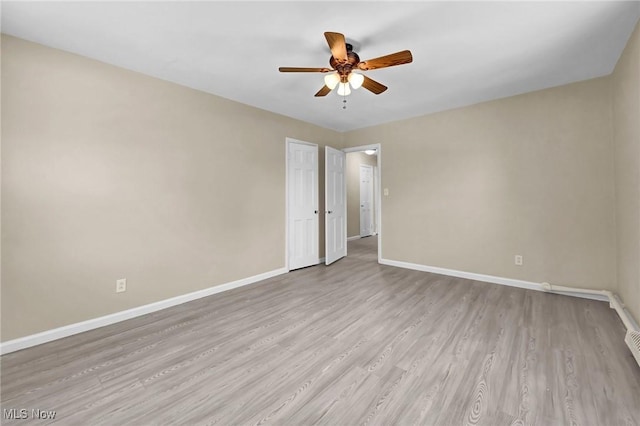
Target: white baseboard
[530, 285]
[355, 237]
[80, 327]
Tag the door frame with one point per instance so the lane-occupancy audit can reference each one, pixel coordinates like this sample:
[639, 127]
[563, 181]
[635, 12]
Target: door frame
[376, 185]
[378, 191]
[289, 141]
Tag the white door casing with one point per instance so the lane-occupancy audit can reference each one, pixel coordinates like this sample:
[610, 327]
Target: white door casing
[376, 191]
[366, 200]
[302, 204]
[335, 205]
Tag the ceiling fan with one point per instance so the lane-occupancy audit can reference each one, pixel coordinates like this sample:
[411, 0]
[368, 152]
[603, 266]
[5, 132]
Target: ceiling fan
[344, 61]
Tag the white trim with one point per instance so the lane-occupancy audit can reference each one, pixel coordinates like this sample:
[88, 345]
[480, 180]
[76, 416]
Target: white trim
[529, 285]
[286, 203]
[627, 319]
[379, 202]
[362, 148]
[601, 295]
[614, 302]
[355, 237]
[80, 327]
[376, 191]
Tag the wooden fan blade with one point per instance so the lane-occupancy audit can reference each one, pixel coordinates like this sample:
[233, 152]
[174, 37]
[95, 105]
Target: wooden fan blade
[338, 46]
[323, 92]
[373, 86]
[294, 69]
[397, 58]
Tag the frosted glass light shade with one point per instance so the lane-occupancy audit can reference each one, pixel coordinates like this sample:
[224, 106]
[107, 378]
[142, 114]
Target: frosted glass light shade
[370, 151]
[343, 89]
[356, 80]
[331, 80]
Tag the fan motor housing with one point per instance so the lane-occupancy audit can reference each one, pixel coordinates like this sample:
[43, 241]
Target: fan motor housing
[344, 68]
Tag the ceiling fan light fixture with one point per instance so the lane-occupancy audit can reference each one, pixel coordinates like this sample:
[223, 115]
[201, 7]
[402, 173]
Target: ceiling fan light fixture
[344, 61]
[355, 80]
[331, 80]
[343, 89]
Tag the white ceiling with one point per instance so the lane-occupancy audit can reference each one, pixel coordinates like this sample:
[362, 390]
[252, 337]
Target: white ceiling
[464, 52]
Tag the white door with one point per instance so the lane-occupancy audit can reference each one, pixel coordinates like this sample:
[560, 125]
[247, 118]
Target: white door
[366, 200]
[302, 190]
[335, 205]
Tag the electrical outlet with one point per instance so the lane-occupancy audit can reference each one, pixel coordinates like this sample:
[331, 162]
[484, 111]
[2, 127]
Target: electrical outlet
[518, 259]
[386, 192]
[121, 285]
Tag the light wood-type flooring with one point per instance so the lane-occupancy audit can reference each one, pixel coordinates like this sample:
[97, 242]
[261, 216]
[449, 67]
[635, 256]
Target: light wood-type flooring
[353, 343]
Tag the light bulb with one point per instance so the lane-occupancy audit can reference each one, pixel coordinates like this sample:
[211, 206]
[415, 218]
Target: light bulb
[356, 80]
[331, 80]
[343, 89]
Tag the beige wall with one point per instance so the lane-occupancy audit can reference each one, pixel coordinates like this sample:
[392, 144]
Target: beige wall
[531, 175]
[354, 159]
[108, 173]
[626, 136]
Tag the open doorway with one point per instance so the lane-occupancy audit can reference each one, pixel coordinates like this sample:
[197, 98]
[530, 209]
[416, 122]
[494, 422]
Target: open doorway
[363, 198]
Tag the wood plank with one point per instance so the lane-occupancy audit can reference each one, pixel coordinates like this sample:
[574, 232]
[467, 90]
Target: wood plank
[355, 342]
